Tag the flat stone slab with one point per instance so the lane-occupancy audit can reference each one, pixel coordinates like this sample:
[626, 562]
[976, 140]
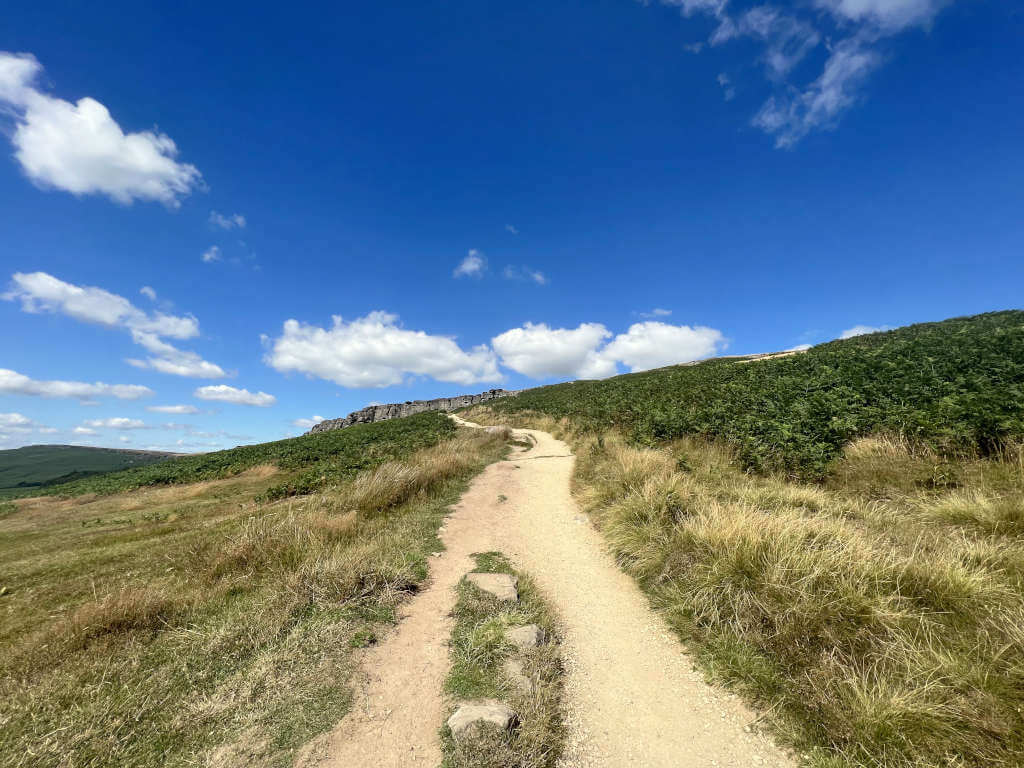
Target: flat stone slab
[515, 671]
[525, 638]
[501, 585]
[486, 713]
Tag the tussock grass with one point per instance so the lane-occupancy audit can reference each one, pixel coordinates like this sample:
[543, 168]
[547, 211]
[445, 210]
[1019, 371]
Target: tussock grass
[478, 651]
[196, 626]
[876, 629]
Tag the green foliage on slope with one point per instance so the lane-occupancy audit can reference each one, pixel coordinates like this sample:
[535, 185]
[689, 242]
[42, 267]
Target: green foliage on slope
[956, 385]
[40, 465]
[314, 460]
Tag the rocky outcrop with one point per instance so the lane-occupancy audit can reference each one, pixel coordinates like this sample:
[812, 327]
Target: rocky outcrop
[374, 413]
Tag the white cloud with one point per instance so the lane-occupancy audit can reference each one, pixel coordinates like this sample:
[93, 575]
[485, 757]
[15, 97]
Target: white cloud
[891, 15]
[83, 431]
[211, 254]
[537, 351]
[116, 422]
[81, 149]
[472, 266]
[656, 312]
[374, 351]
[863, 330]
[799, 348]
[14, 383]
[307, 423]
[124, 439]
[511, 228]
[524, 273]
[14, 420]
[235, 220]
[41, 292]
[851, 30]
[790, 117]
[225, 394]
[148, 292]
[653, 344]
[175, 409]
[48, 430]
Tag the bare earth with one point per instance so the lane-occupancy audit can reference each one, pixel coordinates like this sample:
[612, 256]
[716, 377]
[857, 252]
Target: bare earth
[633, 697]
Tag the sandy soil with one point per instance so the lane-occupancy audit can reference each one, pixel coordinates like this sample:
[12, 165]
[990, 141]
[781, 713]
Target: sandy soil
[632, 695]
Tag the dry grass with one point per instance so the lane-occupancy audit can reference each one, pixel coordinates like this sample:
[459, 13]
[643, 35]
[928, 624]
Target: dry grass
[478, 651]
[191, 625]
[879, 632]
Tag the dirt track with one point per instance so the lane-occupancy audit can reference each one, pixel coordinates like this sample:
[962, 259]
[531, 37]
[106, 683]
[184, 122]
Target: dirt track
[632, 695]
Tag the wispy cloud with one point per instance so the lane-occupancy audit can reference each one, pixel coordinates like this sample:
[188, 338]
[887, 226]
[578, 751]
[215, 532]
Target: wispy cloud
[512, 272]
[863, 330]
[41, 292]
[474, 265]
[511, 228]
[14, 383]
[211, 254]
[851, 31]
[233, 221]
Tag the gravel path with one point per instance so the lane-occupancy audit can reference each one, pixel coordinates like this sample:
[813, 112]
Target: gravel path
[632, 695]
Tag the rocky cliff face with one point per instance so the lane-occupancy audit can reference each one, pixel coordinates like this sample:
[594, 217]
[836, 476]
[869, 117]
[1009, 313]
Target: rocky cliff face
[397, 410]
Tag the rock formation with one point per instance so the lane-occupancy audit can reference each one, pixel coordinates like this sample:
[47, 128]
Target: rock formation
[372, 413]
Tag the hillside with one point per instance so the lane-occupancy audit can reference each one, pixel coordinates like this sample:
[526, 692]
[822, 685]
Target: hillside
[43, 465]
[956, 386]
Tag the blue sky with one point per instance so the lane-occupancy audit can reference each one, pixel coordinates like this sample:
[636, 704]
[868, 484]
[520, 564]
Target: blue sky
[220, 221]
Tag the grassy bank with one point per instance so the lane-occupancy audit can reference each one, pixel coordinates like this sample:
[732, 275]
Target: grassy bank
[192, 624]
[479, 651]
[308, 462]
[956, 386]
[875, 618]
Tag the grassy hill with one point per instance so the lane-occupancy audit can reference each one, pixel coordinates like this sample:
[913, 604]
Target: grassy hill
[42, 465]
[956, 386]
[183, 616]
[837, 535]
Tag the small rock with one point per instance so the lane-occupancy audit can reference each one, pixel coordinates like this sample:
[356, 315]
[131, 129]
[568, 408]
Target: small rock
[486, 712]
[525, 638]
[516, 673]
[501, 585]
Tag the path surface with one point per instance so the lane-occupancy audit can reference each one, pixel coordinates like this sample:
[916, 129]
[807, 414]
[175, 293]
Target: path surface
[632, 695]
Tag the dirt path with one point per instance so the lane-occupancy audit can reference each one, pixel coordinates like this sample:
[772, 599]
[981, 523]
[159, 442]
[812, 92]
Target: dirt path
[632, 695]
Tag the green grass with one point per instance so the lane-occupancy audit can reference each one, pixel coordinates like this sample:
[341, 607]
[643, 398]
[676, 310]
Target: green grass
[956, 386]
[479, 651]
[25, 470]
[191, 624]
[312, 461]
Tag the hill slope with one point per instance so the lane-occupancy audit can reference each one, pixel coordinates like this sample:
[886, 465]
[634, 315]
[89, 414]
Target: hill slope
[40, 465]
[957, 385]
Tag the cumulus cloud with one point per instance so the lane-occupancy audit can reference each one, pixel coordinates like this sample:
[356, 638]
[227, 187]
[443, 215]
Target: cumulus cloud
[148, 292]
[234, 221]
[225, 394]
[653, 344]
[116, 422]
[83, 431]
[15, 424]
[41, 292]
[851, 31]
[538, 351]
[14, 383]
[307, 423]
[375, 351]
[79, 148]
[175, 409]
[472, 266]
[863, 330]
[524, 273]
[211, 254]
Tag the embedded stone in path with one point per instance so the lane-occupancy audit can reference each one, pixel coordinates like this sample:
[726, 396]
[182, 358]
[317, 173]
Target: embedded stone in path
[525, 638]
[481, 713]
[501, 585]
[515, 671]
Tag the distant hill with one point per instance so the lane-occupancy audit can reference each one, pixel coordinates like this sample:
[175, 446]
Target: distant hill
[37, 466]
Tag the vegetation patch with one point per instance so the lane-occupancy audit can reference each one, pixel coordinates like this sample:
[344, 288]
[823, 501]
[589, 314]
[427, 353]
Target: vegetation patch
[487, 664]
[212, 629]
[310, 462]
[956, 386]
[876, 624]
